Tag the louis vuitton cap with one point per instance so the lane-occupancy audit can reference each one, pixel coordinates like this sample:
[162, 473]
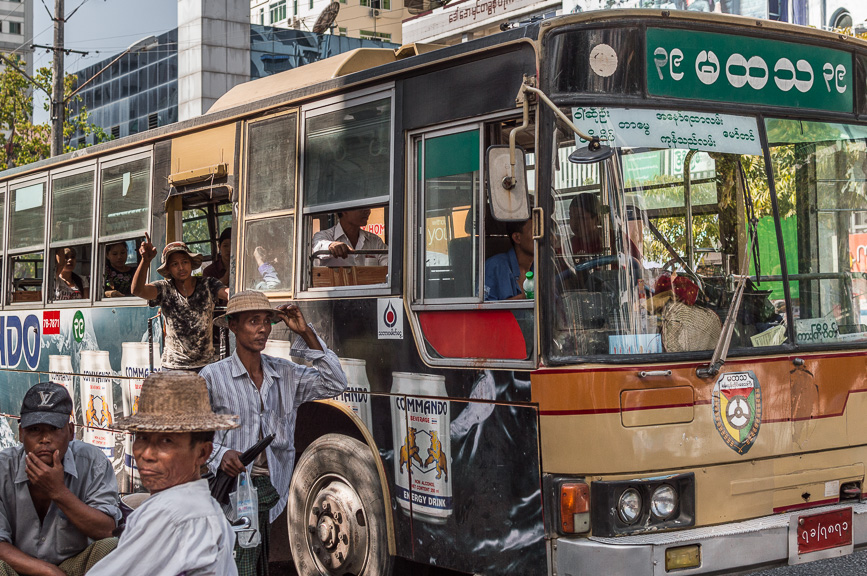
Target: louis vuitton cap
[46, 403]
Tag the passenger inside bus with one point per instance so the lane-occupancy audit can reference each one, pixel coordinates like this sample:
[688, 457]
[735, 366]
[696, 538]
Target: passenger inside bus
[505, 272]
[350, 252]
[346, 237]
[118, 274]
[265, 266]
[67, 284]
[219, 268]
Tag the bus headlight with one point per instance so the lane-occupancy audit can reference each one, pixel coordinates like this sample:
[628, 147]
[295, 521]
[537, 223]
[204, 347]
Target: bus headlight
[663, 502]
[629, 506]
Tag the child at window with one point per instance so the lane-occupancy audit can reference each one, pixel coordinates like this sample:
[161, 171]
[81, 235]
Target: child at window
[118, 276]
[67, 284]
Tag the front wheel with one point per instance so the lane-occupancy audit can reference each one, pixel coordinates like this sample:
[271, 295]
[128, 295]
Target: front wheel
[337, 511]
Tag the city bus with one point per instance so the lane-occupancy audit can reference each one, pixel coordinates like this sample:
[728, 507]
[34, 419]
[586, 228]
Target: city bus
[678, 390]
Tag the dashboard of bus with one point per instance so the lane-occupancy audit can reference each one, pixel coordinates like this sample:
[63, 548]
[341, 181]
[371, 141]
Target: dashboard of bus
[646, 249]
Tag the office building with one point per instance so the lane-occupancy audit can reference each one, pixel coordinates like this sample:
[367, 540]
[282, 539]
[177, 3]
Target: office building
[16, 29]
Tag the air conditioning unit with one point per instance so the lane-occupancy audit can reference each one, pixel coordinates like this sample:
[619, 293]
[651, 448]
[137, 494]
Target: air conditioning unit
[294, 22]
[375, 12]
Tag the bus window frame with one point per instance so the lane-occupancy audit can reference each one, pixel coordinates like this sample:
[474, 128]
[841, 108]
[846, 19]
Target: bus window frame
[99, 241]
[304, 235]
[51, 246]
[44, 179]
[415, 262]
[244, 219]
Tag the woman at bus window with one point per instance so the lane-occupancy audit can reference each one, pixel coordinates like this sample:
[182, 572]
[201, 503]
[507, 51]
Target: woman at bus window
[187, 304]
[219, 268]
[67, 284]
[505, 272]
[118, 276]
[346, 237]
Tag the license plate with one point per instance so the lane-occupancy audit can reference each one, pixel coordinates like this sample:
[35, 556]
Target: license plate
[826, 531]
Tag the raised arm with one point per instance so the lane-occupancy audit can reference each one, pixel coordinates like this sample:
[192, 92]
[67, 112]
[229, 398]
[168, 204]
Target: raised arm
[140, 286]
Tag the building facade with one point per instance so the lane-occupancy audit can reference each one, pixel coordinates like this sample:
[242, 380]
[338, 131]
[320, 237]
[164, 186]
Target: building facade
[378, 20]
[143, 90]
[463, 20]
[16, 29]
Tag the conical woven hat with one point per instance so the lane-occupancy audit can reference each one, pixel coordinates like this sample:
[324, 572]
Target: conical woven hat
[175, 401]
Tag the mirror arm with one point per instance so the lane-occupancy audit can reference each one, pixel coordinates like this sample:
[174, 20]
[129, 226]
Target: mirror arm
[510, 181]
[541, 95]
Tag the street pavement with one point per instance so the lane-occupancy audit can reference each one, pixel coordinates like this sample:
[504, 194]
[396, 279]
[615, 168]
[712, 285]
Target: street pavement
[847, 565]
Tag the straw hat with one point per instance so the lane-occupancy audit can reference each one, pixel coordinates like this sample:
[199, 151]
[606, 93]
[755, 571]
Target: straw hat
[170, 249]
[247, 301]
[175, 401]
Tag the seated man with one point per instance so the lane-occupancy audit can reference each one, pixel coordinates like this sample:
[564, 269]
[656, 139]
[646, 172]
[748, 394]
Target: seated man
[180, 528]
[585, 218]
[56, 494]
[346, 237]
[505, 272]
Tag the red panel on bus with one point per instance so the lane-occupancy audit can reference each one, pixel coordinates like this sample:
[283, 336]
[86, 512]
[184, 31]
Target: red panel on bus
[491, 334]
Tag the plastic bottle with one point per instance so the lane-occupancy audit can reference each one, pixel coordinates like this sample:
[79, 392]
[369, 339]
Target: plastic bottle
[529, 286]
[246, 507]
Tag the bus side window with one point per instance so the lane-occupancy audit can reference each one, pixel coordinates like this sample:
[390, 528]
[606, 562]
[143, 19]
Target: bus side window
[123, 221]
[26, 229]
[69, 255]
[268, 229]
[346, 194]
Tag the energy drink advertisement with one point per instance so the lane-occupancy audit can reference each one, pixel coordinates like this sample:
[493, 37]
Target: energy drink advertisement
[357, 394]
[422, 446]
[60, 372]
[134, 366]
[97, 400]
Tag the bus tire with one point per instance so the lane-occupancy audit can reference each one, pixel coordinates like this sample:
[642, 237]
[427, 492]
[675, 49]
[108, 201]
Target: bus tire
[336, 511]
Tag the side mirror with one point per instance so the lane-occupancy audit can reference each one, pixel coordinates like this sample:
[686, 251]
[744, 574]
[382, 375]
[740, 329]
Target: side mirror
[507, 193]
[593, 153]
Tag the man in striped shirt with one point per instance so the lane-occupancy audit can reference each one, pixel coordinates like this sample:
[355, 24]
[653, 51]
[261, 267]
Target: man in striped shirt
[266, 392]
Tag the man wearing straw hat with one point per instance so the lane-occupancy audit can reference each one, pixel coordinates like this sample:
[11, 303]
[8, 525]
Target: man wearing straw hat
[180, 528]
[58, 497]
[187, 304]
[265, 392]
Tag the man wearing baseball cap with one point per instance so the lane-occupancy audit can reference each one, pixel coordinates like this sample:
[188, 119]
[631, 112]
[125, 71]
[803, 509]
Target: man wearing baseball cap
[187, 304]
[58, 497]
[266, 392]
[180, 529]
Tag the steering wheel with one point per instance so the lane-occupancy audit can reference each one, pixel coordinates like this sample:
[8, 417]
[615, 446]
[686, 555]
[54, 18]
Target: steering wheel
[579, 275]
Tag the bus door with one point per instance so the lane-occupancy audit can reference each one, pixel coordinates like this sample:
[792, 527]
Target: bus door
[468, 309]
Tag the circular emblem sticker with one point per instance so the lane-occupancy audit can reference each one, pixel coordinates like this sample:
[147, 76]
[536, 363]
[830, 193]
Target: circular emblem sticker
[603, 60]
[78, 326]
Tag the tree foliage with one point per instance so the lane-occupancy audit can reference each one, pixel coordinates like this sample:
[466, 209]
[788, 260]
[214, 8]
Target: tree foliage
[21, 140]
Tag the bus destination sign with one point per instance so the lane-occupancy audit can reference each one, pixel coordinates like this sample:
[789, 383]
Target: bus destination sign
[737, 69]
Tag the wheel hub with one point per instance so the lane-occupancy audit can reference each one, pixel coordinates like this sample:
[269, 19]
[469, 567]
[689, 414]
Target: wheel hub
[336, 531]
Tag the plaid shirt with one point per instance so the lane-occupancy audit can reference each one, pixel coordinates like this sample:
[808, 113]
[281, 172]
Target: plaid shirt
[285, 386]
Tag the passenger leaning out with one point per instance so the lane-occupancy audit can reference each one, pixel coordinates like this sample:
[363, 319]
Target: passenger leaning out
[118, 276]
[346, 237]
[187, 304]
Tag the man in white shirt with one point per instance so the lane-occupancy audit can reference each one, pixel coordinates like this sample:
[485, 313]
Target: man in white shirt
[346, 237]
[180, 528]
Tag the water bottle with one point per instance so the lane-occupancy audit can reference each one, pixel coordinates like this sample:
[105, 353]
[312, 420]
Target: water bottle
[529, 286]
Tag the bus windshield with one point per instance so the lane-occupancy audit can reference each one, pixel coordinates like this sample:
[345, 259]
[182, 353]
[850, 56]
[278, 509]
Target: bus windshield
[646, 247]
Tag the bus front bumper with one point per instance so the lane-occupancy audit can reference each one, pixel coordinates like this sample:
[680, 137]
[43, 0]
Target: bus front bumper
[724, 549]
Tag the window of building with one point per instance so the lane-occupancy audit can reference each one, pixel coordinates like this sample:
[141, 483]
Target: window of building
[278, 11]
[261, 16]
[377, 4]
[269, 204]
[347, 176]
[370, 35]
[15, 27]
[26, 229]
[342, 31]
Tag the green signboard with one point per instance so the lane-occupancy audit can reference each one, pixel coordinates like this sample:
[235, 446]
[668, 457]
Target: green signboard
[726, 68]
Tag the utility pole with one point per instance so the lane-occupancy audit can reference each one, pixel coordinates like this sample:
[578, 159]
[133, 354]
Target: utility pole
[58, 106]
